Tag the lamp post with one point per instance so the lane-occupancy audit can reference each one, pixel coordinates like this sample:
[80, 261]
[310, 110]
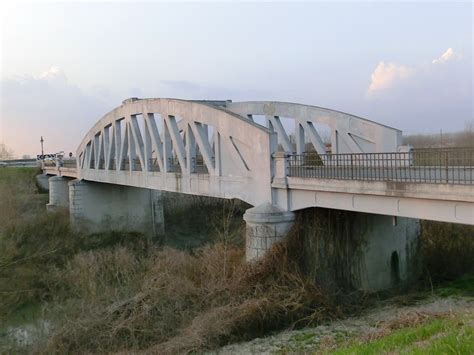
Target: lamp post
[42, 151]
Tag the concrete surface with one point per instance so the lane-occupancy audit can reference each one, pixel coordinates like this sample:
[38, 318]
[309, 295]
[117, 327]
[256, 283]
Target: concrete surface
[265, 225]
[350, 250]
[96, 207]
[42, 181]
[390, 252]
[58, 193]
[349, 133]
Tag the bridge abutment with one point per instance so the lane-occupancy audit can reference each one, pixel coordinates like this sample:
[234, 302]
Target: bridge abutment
[352, 250]
[58, 193]
[266, 225]
[390, 252]
[97, 207]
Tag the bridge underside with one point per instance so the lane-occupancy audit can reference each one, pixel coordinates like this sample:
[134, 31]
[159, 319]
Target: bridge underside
[444, 203]
[227, 187]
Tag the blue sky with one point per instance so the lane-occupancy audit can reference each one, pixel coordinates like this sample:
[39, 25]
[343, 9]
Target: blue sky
[63, 65]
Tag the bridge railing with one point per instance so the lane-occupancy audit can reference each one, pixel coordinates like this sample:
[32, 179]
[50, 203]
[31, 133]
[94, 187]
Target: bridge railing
[431, 165]
[67, 163]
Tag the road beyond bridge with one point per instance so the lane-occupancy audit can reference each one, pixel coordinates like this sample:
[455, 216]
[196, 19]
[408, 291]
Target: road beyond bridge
[279, 158]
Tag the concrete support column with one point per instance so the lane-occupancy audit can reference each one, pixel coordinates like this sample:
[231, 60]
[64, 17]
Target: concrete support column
[42, 182]
[352, 250]
[58, 194]
[266, 225]
[281, 165]
[389, 254]
[96, 207]
[281, 170]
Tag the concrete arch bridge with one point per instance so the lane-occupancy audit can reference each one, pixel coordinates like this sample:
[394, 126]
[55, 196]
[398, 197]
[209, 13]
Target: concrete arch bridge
[279, 157]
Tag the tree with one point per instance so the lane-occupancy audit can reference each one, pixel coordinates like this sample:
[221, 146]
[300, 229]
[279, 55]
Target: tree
[5, 152]
[466, 138]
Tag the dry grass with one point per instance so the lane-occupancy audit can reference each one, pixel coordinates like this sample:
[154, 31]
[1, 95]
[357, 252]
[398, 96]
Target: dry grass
[464, 138]
[17, 192]
[190, 302]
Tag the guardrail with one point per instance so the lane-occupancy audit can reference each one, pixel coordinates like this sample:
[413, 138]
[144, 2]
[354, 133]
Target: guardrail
[16, 163]
[430, 165]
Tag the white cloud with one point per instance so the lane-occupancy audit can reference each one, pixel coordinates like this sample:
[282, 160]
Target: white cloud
[386, 74]
[446, 56]
[54, 76]
[423, 97]
[52, 72]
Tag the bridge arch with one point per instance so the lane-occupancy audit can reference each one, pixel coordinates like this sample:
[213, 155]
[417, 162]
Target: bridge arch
[181, 146]
[349, 133]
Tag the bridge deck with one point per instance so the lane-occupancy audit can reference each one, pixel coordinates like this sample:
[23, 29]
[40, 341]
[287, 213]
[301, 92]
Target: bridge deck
[435, 166]
[410, 174]
[440, 202]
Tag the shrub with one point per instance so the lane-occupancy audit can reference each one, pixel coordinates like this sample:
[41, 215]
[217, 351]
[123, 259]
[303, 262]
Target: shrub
[193, 301]
[447, 250]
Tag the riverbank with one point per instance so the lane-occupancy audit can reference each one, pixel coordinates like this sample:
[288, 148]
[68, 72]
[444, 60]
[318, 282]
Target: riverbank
[437, 322]
[121, 292]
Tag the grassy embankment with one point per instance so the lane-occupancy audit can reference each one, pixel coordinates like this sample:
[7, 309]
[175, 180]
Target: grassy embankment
[115, 292]
[451, 334]
[440, 321]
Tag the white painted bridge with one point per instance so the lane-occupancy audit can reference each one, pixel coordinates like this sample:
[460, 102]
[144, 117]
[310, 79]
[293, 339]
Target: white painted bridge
[274, 153]
[280, 158]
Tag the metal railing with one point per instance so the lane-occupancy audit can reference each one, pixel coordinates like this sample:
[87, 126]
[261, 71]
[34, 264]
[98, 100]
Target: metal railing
[67, 163]
[437, 166]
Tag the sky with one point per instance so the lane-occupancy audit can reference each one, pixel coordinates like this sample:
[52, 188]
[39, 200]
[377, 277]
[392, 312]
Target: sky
[65, 64]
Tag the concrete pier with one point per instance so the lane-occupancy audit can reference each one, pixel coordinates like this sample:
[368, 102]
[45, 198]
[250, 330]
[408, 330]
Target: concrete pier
[389, 252]
[351, 250]
[266, 225]
[58, 193]
[342, 250]
[96, 207]
[42, 182]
